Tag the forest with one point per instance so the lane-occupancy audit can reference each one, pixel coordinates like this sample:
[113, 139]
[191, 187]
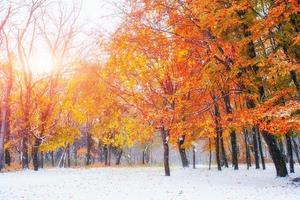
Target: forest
[220, 73]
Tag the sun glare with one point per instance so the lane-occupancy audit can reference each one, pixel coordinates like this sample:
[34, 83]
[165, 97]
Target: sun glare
[41, 63]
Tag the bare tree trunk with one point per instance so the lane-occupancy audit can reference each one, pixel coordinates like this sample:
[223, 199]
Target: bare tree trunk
[255, 148]
[52, 158]
[182, 151]
[109, 154]
[25, 158]
[210, 154]
[88, 149]
[165, 140]
[260, 148]
[105, 149]
[118, 161]
[42, 160]
[276, 155]
[35, 156]
[294, 78]
[248, 158]
[68, 156]
[194, 157]
[296, 150]
[290, 152]
[224, 157]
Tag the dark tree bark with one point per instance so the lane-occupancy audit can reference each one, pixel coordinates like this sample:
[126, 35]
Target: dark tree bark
[35, 154]
[290, 152]
[25, 158]
[42, 160]
[52, 158]
[165, 138]
[194, 157]
[234, 150]
[224, 157]
[68, 157]
[210, 154]
[218, 131]
[182, 152]
[248, 158]
[294, 78]
[260, 148]
[255, 148]
[88, 148]
[276, 155]
[296, 150]
[118, 160]
[105, 151]
[226, 99]
[282, 150]
[109, 154]
[7, 157]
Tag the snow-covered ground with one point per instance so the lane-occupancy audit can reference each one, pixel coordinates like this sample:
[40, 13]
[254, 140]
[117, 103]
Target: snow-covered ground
[147, 183]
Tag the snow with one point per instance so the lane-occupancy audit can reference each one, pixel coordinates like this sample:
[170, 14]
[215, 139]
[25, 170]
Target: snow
[146, 183]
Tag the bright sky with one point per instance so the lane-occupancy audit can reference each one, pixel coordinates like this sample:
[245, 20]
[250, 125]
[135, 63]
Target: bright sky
[99, 17]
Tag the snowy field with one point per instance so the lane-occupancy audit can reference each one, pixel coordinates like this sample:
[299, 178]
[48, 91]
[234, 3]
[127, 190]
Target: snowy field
[147, 183]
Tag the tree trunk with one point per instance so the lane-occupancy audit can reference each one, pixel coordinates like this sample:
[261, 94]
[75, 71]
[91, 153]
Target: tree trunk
[105, 150]
[42, 160]
[52, 158]
[282, 150]
[248, 158]
[217, 145]
[182, 151]
[234, 150]
[7, 157]
[25, 159]
[35, 154]
[255, 148]
[88, 149]
[276, 155]
[210, 155]
[226, 99]
[296, 150]
[194, 157]
[109, 155]
[118, 161]
[290, 152]
[224, 157]
[294, 78]
[165, 140]
[260, 148]
[68, 156]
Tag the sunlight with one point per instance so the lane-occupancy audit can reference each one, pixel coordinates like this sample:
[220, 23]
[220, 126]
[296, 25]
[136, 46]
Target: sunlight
[41, 63]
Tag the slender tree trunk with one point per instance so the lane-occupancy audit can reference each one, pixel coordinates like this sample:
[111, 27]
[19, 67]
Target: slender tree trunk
[7, 157]
[260, 148]
[294, 78]
[88, 149]
[194, 157]
[217, 145]
[42, 160]
[109, 154]
[228, 106]
[290, 152]
[165, 140]
[210, 154]
[68, 156]
[276, 155]
[52, 158]
[105, 149]
[248, 158]
[296, 150]
[35, 153]
[182, 151]
[25, 158]
[143, 157]
[255, 148]
[118, 161]
[75, 156]
[234, 150]
[224, 157]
